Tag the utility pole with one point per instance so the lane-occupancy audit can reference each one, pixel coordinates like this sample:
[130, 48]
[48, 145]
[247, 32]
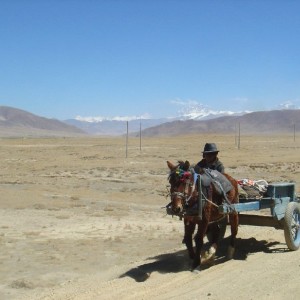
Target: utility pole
[140, 135]
[126, 139]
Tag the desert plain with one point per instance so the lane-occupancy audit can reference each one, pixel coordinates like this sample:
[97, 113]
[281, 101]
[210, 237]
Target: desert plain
[84, 218]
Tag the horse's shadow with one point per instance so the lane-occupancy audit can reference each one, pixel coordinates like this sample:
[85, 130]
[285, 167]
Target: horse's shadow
[178, 261]
[165, 263]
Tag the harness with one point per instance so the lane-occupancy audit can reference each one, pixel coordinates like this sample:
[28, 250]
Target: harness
[221, 183]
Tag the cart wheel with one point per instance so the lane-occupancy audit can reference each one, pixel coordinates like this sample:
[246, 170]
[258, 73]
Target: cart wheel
[222, 225]
[292, 225]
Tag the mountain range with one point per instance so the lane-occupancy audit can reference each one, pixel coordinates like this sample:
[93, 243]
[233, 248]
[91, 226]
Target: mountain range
[260, 122]
[282, 120]
[15, 123]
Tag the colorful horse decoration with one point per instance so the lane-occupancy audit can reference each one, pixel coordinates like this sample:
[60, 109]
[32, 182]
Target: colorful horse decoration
[195, 198]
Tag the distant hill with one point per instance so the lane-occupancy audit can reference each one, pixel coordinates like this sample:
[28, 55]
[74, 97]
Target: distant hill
[261, 122]
[16, 122]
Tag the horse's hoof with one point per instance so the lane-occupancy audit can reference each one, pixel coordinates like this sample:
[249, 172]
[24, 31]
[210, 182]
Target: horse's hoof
[208, 256]
[196, 270]
[230, 252]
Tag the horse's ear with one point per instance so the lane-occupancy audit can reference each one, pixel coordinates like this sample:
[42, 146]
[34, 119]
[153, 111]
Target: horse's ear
[185, 165]
[170, 165]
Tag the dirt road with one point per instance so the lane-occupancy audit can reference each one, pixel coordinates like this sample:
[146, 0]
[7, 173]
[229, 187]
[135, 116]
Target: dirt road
[79, 220]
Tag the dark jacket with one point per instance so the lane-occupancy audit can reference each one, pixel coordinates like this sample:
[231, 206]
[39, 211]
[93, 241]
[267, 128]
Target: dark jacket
[216, 165]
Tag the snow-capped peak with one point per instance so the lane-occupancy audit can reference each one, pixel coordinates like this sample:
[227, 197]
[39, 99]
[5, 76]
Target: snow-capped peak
[196, 111]
[117, 118]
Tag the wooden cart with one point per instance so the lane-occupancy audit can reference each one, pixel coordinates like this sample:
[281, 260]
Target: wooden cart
[284, 207]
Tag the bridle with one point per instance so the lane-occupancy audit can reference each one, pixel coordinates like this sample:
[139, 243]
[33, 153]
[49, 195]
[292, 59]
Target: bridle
[189, 186]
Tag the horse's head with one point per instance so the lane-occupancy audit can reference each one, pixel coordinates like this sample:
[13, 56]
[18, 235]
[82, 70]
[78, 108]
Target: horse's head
[181, 181]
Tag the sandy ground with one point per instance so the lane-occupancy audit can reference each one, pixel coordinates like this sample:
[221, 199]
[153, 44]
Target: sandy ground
[79, 220]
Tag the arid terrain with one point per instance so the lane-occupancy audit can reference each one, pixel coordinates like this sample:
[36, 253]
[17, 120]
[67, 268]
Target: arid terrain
[80, 220]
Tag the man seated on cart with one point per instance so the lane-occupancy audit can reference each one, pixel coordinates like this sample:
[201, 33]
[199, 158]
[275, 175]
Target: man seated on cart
[213, 169]
[210, 159]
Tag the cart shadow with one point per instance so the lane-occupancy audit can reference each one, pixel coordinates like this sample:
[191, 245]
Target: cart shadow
[178, 261]
[245, 247]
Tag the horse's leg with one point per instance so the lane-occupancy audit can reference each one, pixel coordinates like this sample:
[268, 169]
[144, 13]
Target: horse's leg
[202, 228]
[214, 230]
[234, 221]
[233, 197]
[189, 228]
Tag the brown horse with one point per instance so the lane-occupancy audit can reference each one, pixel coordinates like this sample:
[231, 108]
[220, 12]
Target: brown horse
[185, 203]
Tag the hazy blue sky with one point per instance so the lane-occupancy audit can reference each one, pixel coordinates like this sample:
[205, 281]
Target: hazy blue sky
[63, 58]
